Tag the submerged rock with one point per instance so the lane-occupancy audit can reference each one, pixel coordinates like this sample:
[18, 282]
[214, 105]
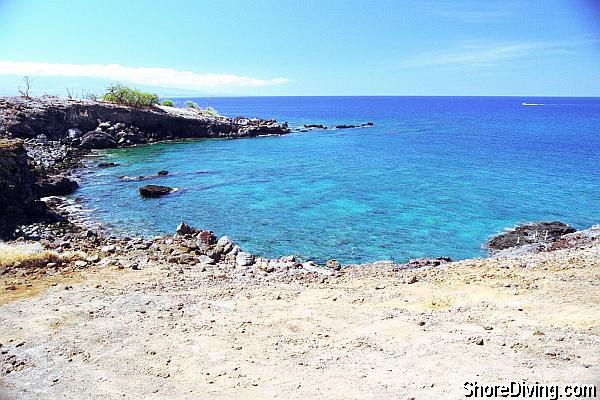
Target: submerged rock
[536, 232]
[155, 190]
[107, 164]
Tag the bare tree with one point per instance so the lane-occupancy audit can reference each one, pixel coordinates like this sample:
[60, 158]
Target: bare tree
[25, 93]
[69, 93]
[90, 96]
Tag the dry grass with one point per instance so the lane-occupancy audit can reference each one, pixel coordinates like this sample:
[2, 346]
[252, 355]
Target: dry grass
[10, 145]
[26, 255]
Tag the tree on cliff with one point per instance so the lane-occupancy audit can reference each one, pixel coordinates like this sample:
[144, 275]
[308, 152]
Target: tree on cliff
[123, 95]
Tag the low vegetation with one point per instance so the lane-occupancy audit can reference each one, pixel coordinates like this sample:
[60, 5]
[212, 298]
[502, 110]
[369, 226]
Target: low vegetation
[123, 95]
[193, 105]
[210, 111]
[27, 255]
[168, 103]
[206, 111]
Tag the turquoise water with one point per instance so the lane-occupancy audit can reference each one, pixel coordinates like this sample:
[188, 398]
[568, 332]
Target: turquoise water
[433, 177]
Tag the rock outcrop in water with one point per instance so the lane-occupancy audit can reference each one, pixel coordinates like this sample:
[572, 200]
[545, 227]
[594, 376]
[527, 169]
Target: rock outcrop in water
[155, 191]
[94, 124]
[537, 232]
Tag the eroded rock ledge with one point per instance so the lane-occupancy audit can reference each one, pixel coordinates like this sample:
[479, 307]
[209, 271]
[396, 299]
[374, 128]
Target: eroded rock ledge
[67, 120]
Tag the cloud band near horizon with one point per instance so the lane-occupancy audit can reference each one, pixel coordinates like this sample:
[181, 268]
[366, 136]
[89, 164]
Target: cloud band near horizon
[164, 77]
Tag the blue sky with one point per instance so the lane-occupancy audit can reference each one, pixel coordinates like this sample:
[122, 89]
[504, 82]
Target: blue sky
[410, 47]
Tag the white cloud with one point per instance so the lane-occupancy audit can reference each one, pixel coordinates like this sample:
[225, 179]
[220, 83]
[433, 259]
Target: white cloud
[478, 54]
[164, 77]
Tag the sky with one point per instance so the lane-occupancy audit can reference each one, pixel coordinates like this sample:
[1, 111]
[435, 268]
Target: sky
[292, 47]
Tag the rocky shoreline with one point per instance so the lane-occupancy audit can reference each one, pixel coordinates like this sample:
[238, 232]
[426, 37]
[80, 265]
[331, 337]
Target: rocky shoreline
[44, 142]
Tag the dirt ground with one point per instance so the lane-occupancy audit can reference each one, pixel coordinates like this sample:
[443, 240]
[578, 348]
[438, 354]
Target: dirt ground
[370, 332]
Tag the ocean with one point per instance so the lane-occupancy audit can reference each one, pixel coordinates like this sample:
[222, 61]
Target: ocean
[434, 176]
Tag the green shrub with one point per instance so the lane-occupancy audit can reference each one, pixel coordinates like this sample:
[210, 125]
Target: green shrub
[168, 103]
[210, 111]
[191, 104]
[206, 111]
[123, 95]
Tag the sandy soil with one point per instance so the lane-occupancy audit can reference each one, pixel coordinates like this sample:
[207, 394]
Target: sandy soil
[368, 333]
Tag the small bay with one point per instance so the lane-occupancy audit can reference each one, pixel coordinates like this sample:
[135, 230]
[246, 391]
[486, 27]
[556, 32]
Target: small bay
[434, 176]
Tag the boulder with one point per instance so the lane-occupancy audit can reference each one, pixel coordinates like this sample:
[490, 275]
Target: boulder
[244, 259]
[97, 140]
[127, 137]
[74, 133]
[334, 264]
[224, 245]
[207, 237]
[223, 241]
[56, 186]
[155, 190]
[310, 266]
[204, 259]
[162, 173]
[184, 229]
[536, 232]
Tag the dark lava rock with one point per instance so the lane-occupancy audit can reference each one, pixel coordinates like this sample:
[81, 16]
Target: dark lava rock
[130, 138]
[62, 120]
[155, 190]
[345, 126]
[162, 173]
[207, 237]
[97, 140]
[427, 262]
[315, 126]
[353, 126]
[18, 200]
[184, 229]
[537, 232]
[56, 186]
[108, 164]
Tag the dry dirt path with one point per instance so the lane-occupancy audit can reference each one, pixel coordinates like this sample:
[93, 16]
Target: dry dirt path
[370, 333]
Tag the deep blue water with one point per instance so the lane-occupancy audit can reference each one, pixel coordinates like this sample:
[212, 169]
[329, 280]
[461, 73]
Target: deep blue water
[435, 176]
